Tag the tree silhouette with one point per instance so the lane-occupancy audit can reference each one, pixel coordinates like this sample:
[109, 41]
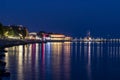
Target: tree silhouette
[1, 30]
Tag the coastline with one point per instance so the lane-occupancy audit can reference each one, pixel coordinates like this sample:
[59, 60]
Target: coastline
[14, 42]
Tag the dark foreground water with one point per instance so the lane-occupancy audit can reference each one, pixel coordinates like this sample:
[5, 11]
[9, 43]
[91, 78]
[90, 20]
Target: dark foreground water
[64, 61]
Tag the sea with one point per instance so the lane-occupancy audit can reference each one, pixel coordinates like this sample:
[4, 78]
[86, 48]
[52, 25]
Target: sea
[64, 61]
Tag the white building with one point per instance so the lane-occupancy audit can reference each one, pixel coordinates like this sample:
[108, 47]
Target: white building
[33, 35]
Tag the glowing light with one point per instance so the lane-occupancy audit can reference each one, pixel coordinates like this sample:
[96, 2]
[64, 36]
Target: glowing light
[20, 61]
[67, 47]
[57, 35]
[57, 48]
[89, 60]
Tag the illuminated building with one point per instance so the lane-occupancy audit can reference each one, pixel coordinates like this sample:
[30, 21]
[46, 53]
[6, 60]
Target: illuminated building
[15, 32]
[33, 35]
[48, 36]
[68, 38]
[57, 36]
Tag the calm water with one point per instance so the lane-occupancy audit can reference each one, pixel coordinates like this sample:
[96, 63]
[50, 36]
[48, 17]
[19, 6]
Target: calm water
[64, 61]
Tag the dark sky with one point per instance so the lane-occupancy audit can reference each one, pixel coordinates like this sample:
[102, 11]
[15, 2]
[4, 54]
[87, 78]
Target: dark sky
[72, 17]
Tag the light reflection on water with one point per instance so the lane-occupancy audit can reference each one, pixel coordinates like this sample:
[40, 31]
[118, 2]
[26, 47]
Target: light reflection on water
[64, 61]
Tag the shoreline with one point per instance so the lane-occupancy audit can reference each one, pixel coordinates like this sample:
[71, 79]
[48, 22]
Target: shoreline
[15, 42]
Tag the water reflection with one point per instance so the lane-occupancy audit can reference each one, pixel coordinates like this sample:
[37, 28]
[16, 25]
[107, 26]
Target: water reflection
[63, 61]
[60, 60]
[89, 60]
[39, 61]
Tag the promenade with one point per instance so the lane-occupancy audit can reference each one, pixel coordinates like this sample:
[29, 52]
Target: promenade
[14, 42]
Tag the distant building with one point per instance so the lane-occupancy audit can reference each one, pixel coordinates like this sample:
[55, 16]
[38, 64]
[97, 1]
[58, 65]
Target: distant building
[15, 32]
[68, 38]
[48, 36]
[33, 36]
[57, 36]
[43, 35]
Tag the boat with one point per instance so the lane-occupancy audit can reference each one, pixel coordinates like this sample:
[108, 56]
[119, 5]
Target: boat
[88, 38]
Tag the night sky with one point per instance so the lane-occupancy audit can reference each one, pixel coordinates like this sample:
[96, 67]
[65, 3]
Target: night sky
[71, 17]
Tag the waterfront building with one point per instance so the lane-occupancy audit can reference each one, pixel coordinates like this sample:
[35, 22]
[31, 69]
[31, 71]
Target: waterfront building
[34, 36]
[43, 35]
[68, 38]
[53, 36]
[57, 36]
[15, 32]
